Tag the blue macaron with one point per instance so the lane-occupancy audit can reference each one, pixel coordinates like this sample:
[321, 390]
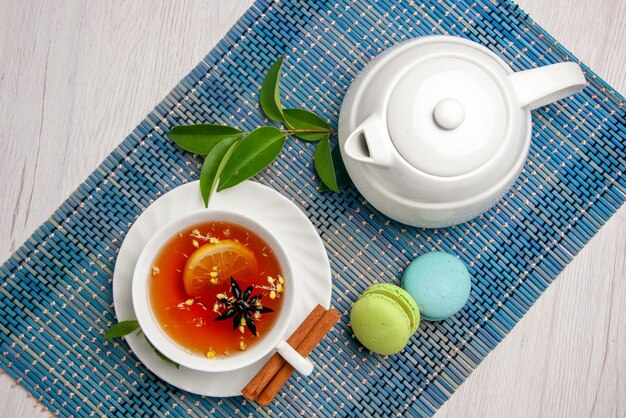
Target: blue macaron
[440, 284]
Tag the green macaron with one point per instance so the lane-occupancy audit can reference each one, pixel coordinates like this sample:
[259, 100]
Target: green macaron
[384, 318]
[401, 297]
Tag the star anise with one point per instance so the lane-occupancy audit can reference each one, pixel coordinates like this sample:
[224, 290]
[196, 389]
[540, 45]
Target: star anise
[241, 305]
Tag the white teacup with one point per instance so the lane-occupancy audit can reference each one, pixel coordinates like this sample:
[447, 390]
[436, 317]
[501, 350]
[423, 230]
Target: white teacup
[273, 340]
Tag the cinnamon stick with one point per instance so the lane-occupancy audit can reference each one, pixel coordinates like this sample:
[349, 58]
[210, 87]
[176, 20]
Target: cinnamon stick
[267, 372]
[307, 345]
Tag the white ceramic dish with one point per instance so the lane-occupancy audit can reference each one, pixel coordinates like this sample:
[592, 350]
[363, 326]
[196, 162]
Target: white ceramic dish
[436, 129]
[299, 237]
[274, 339]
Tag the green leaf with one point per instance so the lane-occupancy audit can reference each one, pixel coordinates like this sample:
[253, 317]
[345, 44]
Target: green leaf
[121, 329]
[253, 153]
[161, 355]
[214, 163]
[270, 92]
[304, 120]
[343, 178]
[200, 139]
[324, 164]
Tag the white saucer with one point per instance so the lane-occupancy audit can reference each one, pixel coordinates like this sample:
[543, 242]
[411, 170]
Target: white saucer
[268, 207]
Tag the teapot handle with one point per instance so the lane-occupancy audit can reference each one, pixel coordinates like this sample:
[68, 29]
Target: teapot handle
[370, 143]
[541, 86]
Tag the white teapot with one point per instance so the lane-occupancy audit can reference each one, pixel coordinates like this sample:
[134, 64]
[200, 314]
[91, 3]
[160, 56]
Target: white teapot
[434, 131]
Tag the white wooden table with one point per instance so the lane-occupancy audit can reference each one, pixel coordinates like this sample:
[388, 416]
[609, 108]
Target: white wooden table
[77, 76]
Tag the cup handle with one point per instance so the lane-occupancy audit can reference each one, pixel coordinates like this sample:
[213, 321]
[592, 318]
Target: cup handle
[302, 364]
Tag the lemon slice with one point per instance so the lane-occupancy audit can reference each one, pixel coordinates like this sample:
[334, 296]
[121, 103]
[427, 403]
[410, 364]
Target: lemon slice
[212, 264]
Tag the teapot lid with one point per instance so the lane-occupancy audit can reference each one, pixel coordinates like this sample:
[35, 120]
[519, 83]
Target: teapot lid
[448, 114]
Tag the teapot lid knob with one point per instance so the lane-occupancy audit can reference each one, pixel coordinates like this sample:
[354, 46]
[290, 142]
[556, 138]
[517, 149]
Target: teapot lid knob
[449, 114]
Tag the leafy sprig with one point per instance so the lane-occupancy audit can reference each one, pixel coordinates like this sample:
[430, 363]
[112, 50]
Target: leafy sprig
[232, 155]
[123, 328]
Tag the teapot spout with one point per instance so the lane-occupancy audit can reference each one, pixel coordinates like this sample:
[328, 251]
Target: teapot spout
[369, 143]
[541, 86]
